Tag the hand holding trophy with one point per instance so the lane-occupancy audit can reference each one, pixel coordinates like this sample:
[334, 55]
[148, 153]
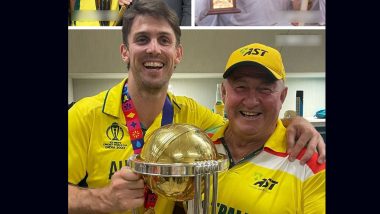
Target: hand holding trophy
[177, 162]
[222, 6]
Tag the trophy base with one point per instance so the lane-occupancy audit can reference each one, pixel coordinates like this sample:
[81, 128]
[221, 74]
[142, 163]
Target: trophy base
[223, 11]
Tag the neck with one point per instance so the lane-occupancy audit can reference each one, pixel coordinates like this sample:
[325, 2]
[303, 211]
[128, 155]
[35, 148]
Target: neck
[240, 145]
[148, 104]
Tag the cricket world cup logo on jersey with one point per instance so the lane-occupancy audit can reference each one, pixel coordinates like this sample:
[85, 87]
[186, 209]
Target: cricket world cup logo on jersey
[115, 134]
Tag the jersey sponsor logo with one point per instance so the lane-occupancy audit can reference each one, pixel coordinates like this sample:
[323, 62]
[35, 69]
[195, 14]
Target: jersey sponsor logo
[224, 209]
[265, 184]
[115, 134]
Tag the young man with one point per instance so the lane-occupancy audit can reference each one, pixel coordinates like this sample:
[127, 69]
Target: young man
[106, 129]
[254, 139]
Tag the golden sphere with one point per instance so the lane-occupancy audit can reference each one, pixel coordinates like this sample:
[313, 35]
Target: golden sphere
[176, 143]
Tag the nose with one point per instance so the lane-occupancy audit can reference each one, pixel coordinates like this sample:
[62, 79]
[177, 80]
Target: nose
[154, 47]
[251, 99]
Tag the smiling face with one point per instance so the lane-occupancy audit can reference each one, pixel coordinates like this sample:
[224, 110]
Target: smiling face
[152, 53]
[253, 100]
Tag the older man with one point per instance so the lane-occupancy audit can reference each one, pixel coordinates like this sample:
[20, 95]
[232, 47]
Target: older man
[261, 179]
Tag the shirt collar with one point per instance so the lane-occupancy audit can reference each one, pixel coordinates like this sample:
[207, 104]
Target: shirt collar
[112, 100]
[276, 142]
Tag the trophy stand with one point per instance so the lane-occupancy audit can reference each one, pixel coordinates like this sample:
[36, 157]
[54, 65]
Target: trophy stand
[222, 7]
[200, 171]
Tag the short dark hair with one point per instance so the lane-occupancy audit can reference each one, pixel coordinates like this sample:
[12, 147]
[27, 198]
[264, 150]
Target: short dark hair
[154, 8]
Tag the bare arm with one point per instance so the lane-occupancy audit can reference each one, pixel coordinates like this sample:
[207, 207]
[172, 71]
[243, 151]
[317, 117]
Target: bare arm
[82, 200]
[301, 133]
[126, 191]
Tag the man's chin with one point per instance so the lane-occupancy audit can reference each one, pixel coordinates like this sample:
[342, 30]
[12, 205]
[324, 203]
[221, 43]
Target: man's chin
[155, 85]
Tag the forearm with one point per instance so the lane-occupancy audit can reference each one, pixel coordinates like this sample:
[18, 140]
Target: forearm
[83, 200]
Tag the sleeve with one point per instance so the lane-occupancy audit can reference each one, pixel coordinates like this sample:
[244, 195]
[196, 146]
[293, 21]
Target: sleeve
[314, 195]
[186, 13]
[211, 122]
[79, 129]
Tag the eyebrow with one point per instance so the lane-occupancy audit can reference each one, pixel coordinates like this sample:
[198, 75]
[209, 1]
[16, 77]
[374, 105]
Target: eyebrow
[147, 33]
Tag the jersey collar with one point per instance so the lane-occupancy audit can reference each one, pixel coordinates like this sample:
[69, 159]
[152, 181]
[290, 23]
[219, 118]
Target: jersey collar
[112, 101]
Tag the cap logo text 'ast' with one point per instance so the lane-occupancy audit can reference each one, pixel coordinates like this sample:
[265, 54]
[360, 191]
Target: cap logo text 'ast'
[253, 51]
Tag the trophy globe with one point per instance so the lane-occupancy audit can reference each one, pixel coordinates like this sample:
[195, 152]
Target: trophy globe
[177, 162]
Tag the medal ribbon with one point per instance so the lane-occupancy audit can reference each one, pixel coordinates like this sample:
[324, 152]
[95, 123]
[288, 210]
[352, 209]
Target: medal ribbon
[136, 133]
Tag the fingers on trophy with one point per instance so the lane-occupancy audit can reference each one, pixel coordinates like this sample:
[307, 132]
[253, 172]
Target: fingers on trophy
[178, 161]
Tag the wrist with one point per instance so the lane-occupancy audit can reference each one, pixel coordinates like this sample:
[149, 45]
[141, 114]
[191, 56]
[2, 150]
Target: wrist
[100, 201]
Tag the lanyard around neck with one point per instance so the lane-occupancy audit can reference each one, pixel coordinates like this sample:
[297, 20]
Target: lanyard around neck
[248, 156]
[133, 122]
[137, 135]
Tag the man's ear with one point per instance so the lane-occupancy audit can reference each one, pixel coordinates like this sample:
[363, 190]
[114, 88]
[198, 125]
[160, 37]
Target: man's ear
[124, 53]
[224, 93]
[283, 94]
[179, 54]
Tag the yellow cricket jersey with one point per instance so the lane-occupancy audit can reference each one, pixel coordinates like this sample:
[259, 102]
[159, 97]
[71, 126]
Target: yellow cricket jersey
[90, 5]
[99, 142]
[269, 182]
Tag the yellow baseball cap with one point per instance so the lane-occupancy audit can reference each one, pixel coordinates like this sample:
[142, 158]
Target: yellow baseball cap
[256, 54]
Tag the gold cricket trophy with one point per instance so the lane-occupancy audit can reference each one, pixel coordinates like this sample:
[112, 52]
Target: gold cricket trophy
[222, 6]
[177, 162]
